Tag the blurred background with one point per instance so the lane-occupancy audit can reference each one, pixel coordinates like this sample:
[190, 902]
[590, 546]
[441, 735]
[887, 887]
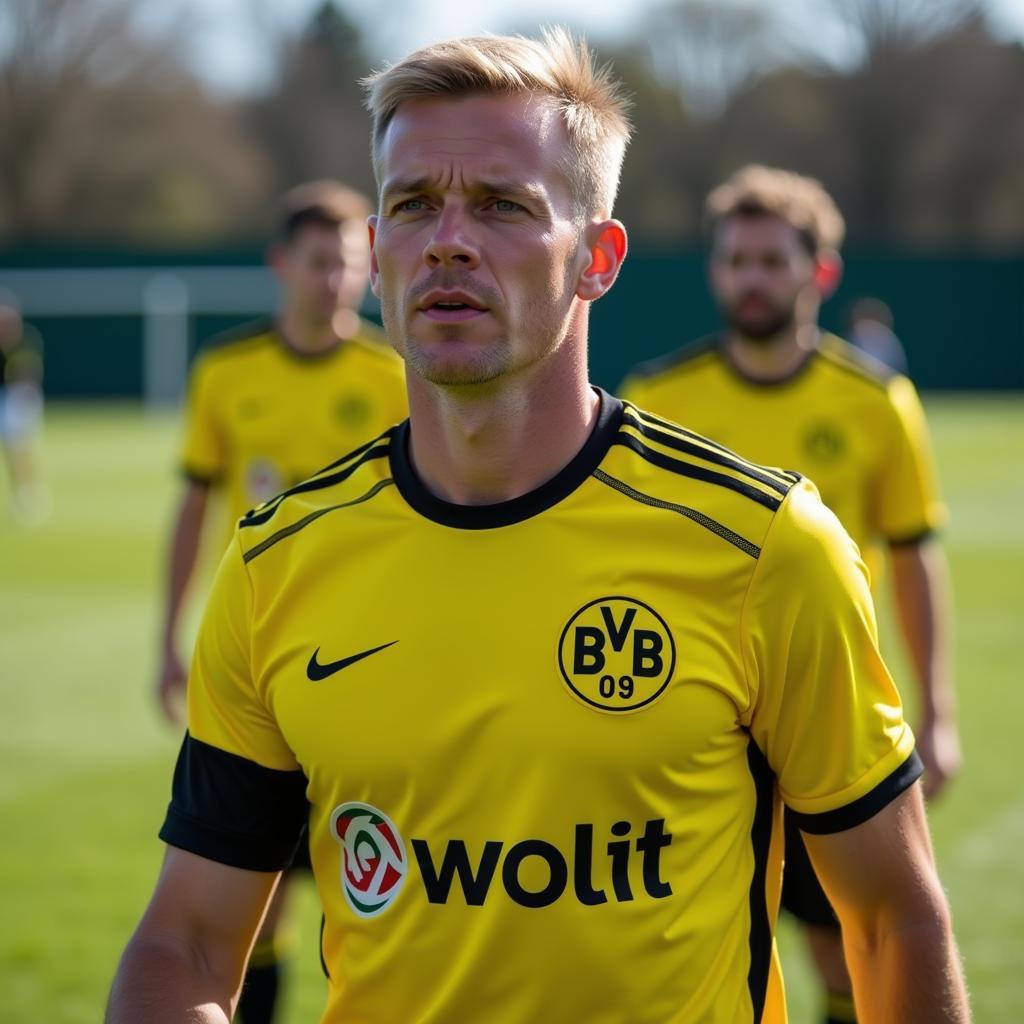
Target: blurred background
[143, 148]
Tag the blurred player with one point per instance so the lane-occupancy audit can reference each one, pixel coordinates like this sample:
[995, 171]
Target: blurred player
[532, 657]
[21, 413]
[776, 388]
[271, 403]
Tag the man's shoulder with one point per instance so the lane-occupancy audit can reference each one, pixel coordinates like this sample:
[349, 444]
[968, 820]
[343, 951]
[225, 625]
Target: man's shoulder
[858, 367]
[689, 357]
[666, 466]
[237, 343]
[347, 483]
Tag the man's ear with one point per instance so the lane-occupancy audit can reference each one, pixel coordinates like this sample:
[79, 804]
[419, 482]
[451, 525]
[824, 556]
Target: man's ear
[371, 227]
[828, 272]
[606, 246]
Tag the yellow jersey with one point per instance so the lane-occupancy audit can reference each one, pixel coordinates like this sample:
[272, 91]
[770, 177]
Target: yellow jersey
[262, 416]
[853, 426]
[544, 741]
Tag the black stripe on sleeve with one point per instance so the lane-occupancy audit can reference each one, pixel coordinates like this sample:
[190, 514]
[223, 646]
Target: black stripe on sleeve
[664, 461]
[259, 515]
[865, 807]
[229, 809]
[760, 841]
[709, 453]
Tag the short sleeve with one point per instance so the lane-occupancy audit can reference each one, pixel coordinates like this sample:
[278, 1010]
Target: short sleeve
[823, 707]
[204, 453]
[239, 794]
[906, 505]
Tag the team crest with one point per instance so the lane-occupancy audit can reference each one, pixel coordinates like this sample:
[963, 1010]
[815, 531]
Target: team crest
[617, 654]
[353, 410]
[824, 442]
[373, 860]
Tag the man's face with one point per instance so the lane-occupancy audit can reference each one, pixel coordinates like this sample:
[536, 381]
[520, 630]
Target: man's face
[324, 269]
[760, 268]
[475, 253]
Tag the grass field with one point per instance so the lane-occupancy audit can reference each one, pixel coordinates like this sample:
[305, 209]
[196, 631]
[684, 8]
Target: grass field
[85, 762]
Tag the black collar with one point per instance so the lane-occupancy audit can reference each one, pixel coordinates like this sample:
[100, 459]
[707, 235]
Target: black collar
[505, 513]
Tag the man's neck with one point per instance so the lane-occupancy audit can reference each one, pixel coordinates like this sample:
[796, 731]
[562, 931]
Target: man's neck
[775, 358]
[314, 337]
[481, 446]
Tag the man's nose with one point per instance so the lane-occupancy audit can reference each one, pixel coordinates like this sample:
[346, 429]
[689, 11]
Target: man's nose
[452, 240]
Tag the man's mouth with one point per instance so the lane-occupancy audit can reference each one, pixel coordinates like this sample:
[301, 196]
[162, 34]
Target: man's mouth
[452, 308]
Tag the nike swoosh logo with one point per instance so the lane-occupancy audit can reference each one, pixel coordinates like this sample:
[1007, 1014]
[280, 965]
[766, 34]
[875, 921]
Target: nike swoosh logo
[315, 671]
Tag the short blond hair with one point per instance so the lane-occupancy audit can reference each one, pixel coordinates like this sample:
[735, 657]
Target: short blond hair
[324, 202]
[591, 102]
[756, 190]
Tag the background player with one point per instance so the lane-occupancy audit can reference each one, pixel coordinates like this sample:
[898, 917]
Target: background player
[776, 388]
[498, 833]
[21, 412]
[271, 403]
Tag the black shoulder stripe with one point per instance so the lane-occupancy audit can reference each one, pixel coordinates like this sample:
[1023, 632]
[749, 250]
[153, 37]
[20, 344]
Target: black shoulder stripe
[716, 455]
[355, 452]
[262, 513]
[302, 523]
[229, 809]
[867, 806]
[684, 510]
[649, 417]
[663, 461]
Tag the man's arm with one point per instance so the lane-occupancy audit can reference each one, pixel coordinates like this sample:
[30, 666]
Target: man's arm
[922, 597]
[171, 679]
[881, 879]
[185, 962]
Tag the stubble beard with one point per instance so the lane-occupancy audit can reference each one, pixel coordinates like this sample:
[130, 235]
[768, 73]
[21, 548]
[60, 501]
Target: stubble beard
[763, 328]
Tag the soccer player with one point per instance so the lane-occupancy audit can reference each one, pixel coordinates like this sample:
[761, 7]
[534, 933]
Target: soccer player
[21, 412]
[536, 660]
[269, 404]
[781, 391]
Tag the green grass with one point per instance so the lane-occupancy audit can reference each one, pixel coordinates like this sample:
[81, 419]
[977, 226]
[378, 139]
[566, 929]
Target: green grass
[85, 761]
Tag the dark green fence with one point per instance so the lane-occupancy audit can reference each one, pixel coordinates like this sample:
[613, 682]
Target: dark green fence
[960, 318]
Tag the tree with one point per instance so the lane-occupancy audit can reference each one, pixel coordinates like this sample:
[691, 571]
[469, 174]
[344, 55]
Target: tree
[311, 122]
[104, 132]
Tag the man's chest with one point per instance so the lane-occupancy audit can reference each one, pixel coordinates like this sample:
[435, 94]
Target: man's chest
[414, 662]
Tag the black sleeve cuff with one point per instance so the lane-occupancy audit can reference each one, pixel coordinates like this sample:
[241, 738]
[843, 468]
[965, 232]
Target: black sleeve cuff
[231, 810]
[866, 806]
[918, 537]
[194, 476]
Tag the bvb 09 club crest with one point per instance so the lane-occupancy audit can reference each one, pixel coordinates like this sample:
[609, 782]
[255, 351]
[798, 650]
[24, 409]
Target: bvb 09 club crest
[373, 860]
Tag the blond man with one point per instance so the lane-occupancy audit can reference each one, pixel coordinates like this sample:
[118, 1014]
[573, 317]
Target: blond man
[505, 652]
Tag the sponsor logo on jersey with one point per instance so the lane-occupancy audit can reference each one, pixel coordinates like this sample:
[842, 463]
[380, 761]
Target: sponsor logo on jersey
[599, 868]
[824, 442]
[373, 860]
[617, 654]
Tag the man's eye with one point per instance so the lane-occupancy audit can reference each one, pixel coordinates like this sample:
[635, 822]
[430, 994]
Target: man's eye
[410, 206]
[506, 206]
